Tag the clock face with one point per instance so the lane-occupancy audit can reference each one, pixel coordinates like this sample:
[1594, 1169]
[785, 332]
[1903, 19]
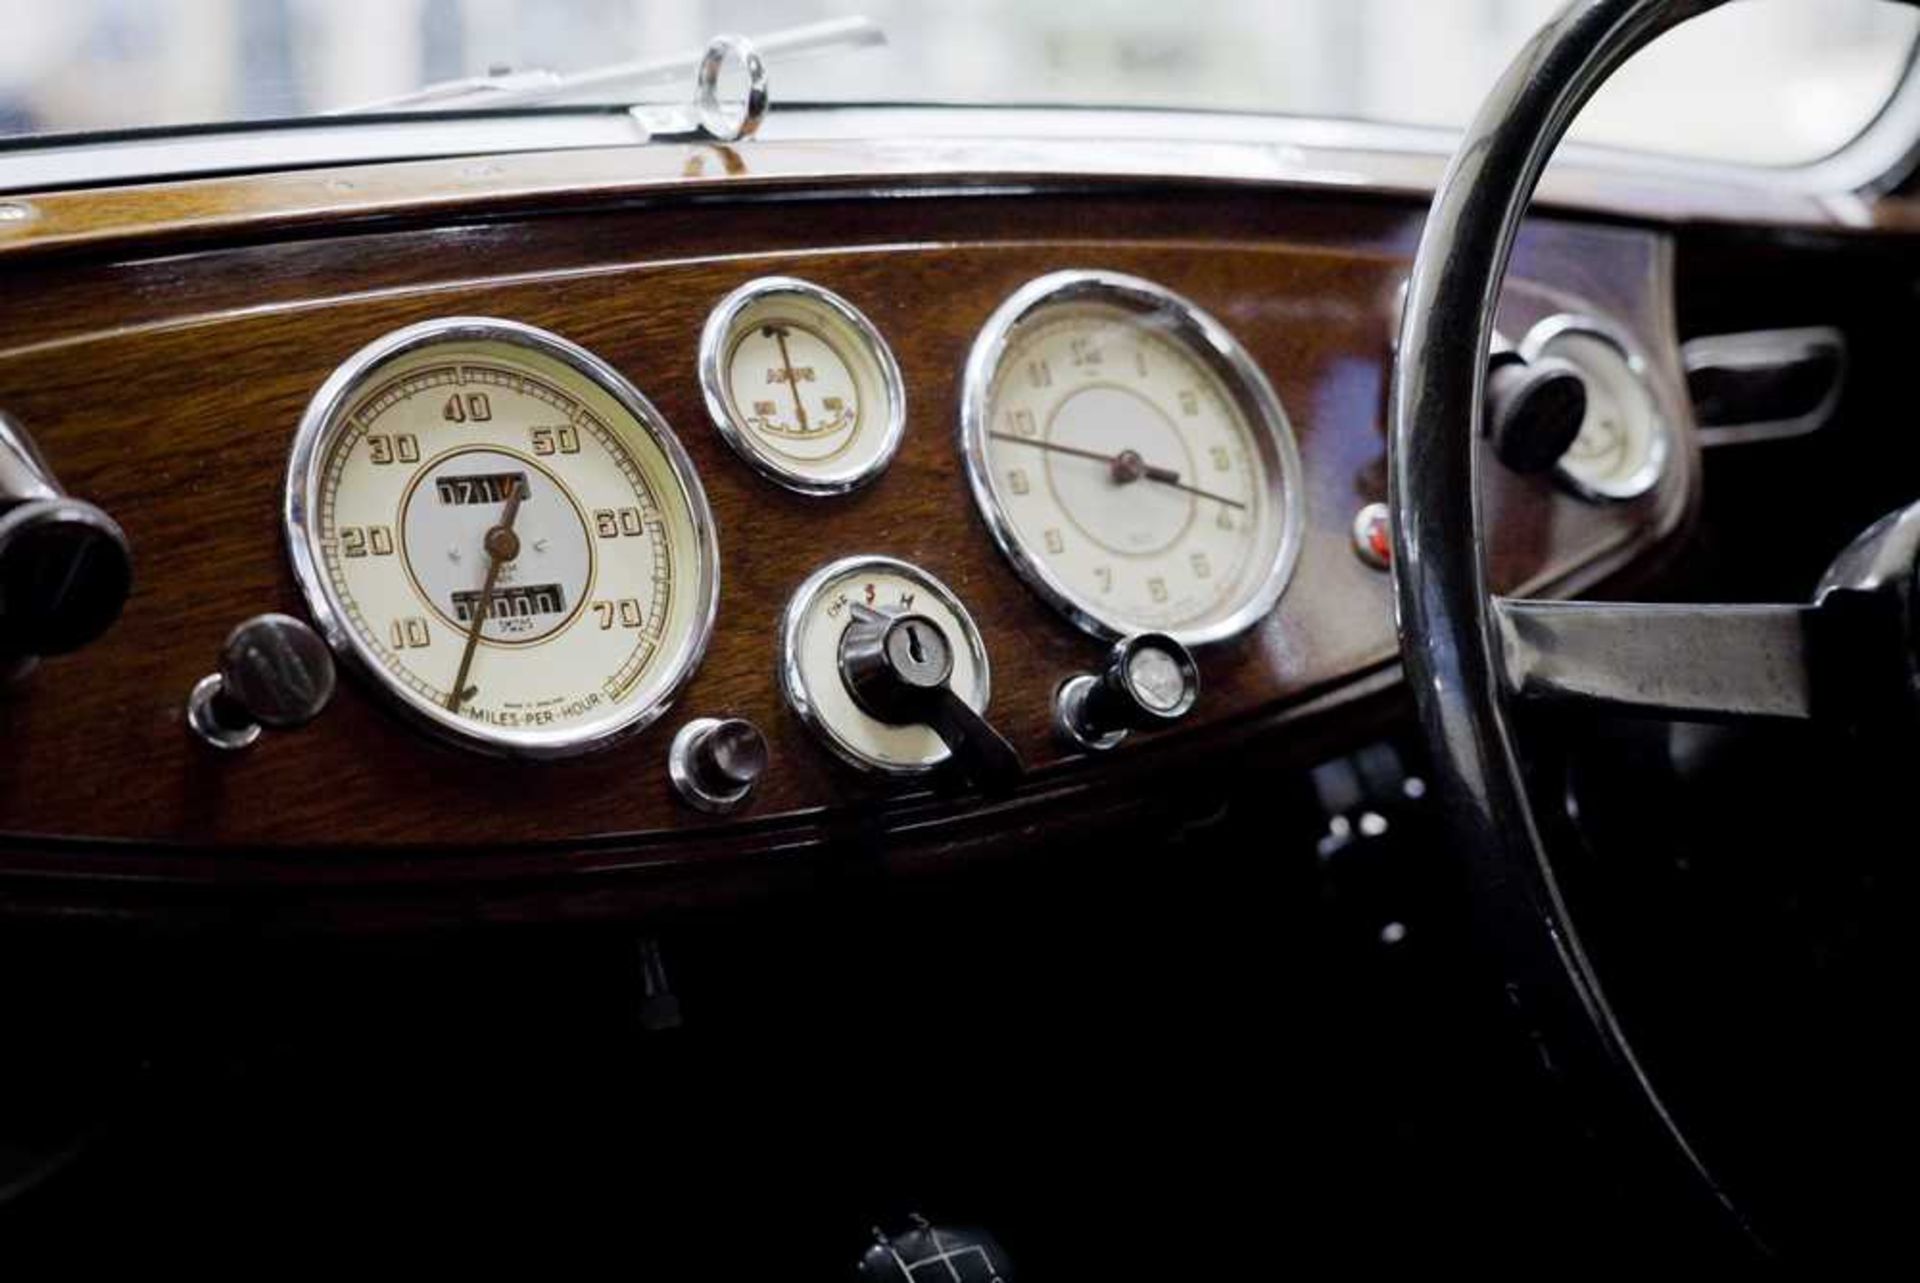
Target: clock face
[1138, 476]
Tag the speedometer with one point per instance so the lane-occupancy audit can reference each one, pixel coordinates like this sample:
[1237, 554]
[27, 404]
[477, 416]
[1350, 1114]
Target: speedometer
[1131, 459]
[505, 534]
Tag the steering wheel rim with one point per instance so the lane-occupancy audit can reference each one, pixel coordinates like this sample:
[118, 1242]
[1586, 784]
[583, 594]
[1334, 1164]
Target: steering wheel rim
[1450, 639]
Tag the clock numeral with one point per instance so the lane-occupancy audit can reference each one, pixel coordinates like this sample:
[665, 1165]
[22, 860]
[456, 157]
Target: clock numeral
[1202, 568]
[1222, 461]
[1056, 542]
[1157, 589]
[1017, 481]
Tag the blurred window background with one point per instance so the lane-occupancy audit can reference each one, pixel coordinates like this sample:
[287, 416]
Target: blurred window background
[1764, 81]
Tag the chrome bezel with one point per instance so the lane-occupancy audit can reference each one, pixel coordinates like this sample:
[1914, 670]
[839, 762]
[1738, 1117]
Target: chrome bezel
[1648, 475]
[793, 682]
[301, 499]
[1245, 382]
[713, 348]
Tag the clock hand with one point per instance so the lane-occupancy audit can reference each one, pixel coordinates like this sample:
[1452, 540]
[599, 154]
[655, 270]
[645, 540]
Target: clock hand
[502, 546]
[1127, 467]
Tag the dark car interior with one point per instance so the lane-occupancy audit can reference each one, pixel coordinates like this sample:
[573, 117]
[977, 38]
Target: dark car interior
[1501, 870]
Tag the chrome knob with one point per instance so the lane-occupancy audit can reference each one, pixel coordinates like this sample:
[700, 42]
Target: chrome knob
[275, 672]
[1150, 681]
[65, 566]
[714, 763]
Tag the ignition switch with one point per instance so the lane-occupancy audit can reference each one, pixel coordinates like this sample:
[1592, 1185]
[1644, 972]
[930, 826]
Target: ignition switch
[884, 664]
[899, 668]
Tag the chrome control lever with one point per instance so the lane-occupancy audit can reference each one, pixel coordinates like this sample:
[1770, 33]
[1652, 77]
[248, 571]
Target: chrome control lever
[898, 666]
[275, 672]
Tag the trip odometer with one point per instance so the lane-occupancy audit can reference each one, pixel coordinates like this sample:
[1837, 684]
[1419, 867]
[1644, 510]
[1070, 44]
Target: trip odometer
[1131, 459]
[505, 534]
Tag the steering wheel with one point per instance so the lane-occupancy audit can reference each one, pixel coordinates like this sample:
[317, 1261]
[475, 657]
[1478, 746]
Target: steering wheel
[1473, 662]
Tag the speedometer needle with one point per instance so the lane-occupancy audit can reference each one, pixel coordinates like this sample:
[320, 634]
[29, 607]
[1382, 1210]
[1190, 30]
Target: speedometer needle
[502, 546]
[1126, 467]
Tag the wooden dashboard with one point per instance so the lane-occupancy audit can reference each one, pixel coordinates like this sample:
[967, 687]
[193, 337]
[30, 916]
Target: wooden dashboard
[163, 363]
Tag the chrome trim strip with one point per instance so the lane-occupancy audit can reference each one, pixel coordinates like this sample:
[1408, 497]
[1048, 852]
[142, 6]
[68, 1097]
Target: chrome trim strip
[302, 499]
[1243, 378]
[148, 157]
[957, 140]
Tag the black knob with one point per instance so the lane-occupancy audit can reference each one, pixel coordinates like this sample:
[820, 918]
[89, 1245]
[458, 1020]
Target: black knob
[1149, 681]
[1535, 409]
[714, 763]
[274, 672]
[277, 670]
[65, 571]
[899, 669]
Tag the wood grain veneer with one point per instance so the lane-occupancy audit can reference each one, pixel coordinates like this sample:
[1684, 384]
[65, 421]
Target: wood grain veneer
[165, 386]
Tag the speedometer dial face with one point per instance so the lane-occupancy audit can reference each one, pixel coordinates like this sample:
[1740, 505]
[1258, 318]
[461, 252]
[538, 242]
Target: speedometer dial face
[1131, 459]
[504, 534]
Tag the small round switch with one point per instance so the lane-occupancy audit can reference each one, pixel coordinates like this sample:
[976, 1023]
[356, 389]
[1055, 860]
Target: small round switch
[278, 670]
[714, 763]
[275, 672]
[1535, 410]
[1150, 681]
